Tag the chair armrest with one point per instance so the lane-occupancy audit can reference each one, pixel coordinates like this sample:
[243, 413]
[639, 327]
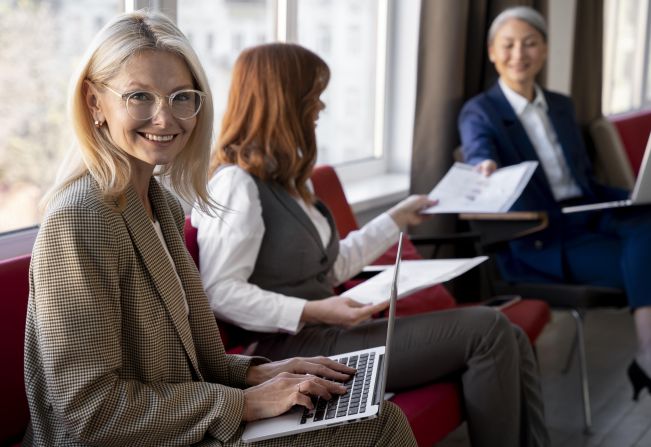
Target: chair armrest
[498, 228]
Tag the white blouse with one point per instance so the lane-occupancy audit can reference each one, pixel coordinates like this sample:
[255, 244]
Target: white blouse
[229, 246]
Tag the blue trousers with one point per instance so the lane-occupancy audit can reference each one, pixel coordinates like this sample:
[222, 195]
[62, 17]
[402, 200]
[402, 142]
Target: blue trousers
[606, 248]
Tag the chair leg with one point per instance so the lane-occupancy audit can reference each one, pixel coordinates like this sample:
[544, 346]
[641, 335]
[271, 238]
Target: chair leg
[583, 369]
[570, 354]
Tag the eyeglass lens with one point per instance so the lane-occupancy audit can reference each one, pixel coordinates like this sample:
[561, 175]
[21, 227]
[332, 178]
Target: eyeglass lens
[144, 105]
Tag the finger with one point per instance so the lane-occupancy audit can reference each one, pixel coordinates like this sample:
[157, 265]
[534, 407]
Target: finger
[323, 388]
[332, 370]
[353, 303]
[379, 307]
[303, 400]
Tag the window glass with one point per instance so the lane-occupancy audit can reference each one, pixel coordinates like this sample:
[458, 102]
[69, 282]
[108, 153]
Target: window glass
[40, 42]
[345, 34]
[219, 30]
[625, 23]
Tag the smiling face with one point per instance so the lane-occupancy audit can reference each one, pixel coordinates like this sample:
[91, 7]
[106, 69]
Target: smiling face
[158, 140]
[518, 52]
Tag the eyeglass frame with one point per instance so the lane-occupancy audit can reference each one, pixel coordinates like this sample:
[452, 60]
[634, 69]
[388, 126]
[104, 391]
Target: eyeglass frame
[159, 101]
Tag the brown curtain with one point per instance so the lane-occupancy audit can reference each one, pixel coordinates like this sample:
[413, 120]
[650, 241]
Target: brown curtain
[587, 74]
[587, 60]
[453, 66]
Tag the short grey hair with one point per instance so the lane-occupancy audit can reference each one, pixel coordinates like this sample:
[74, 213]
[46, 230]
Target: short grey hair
[524, 13]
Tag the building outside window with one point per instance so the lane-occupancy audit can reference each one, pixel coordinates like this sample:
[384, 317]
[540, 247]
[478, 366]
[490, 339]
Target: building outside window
[42, 41]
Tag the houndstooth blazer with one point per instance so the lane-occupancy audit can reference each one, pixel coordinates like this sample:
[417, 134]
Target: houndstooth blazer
[111, 355]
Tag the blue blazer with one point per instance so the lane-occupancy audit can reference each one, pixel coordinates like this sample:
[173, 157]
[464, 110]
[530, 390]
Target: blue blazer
[490, 129]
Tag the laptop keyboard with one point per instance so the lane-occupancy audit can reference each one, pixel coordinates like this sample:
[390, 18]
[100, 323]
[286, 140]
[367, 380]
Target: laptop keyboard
[354, 401]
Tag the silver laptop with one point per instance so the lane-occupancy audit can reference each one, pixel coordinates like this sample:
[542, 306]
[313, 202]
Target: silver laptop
[641, 194]
[365, 390]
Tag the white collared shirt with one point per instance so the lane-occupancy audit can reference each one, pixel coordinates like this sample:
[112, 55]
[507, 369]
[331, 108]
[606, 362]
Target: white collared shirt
[534, 119]
[229, 245]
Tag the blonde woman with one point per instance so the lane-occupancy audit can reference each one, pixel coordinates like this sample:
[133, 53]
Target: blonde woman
[121, 347]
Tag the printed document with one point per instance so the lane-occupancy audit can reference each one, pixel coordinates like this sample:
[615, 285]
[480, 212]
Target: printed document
[413, 276]
[465, 190]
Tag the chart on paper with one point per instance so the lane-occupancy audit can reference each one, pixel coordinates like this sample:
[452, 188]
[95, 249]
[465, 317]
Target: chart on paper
[465, 190]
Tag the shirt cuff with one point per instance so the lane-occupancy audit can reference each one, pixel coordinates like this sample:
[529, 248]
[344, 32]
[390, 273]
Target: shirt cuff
[290, 316]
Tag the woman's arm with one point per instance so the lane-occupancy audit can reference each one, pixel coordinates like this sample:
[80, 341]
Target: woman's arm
[228, 249]
[476, 135]
[359, 248]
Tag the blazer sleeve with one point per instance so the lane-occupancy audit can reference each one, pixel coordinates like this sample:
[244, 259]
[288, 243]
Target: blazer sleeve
[477, 134]
[94, 394]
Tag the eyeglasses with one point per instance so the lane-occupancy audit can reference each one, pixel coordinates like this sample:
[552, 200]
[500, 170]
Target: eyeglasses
[143, 105]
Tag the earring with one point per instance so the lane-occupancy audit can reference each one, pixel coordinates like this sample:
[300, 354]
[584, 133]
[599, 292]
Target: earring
[98, 123]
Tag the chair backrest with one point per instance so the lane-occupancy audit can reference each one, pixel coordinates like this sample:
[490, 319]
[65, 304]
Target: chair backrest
[14, 412]
[633, 129]
[612, 165]
[328, 188]
[191, 240]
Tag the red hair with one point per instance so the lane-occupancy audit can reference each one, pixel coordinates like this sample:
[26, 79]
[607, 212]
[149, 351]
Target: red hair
[268, 128]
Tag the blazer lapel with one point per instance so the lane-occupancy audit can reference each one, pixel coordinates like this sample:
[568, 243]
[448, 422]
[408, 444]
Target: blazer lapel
[156, 261]
[511, 124]
[564, 125]
[516, 134]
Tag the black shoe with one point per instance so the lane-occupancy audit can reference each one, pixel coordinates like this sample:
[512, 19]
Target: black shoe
[638, 379]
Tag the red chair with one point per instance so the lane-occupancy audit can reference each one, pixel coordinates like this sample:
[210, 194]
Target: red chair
[633, 129]
[14, 412]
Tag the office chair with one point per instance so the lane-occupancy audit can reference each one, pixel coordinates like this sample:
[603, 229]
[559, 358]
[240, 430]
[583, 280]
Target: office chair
[496, 230]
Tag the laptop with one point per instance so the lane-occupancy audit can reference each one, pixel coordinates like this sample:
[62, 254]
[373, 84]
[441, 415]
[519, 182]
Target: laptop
[363, 399]
[641, 194]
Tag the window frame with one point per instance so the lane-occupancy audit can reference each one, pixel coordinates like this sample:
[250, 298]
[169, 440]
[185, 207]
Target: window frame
[641, 94]
[395, 97]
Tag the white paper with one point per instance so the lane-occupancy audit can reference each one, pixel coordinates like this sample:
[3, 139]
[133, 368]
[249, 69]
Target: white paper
[465, 190]
[414, 276]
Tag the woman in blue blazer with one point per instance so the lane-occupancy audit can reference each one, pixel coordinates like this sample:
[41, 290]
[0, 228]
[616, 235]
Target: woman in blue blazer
[516, 120]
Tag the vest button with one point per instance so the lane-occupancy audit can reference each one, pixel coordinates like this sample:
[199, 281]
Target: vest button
[538, 244]
[324, 260]
[320, 277]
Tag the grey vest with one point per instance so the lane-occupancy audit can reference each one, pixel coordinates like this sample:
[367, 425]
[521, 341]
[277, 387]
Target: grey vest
[292, 260]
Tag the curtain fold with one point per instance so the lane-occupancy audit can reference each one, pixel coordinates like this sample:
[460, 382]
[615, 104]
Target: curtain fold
[587, 60]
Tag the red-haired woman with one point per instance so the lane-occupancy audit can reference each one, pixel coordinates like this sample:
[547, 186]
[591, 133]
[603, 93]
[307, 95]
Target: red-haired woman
[269, 265]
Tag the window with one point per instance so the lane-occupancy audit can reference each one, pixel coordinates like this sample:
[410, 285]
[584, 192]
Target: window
[235, 24]
[343, 33]
[627, 77]
[346, 36]
[41, 41]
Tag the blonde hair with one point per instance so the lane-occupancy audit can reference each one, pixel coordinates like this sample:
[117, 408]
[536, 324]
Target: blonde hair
[94, 151]
[273, 103]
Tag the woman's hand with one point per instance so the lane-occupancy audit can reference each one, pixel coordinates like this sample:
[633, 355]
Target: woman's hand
[277, 395]
[340, 311]
[486, 167]
[316, 366]
[409, 211]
